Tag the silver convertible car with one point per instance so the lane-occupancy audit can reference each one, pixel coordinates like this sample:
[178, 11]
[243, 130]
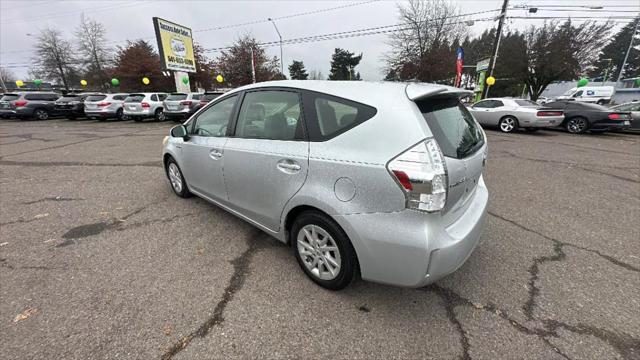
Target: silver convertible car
[378, 179]
[510, 114]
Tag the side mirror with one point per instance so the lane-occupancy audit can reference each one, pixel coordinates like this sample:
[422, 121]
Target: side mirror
[179, 131]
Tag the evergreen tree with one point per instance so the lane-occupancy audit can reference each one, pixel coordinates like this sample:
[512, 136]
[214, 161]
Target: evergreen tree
[343, 65]
[297, 71]
[616, 51]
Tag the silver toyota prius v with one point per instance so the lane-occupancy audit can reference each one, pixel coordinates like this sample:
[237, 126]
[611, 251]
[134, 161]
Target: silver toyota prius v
[382, 179]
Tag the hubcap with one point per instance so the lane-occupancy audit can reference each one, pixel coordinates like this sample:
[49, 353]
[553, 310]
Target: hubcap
[42, 115]
[161, 116]
[576, 125]
[319, 252]
[507, 124]
[175, 177]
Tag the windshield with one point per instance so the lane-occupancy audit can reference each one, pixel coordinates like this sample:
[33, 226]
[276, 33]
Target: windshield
[452, 126]
[96, 97]
[9, 97]
[134, 98]
[569, 92]
[177, 97]
[526, 103]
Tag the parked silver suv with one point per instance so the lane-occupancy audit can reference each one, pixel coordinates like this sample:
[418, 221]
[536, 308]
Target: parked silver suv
[141, 106]
[180, 106]
[384, 178]
[105, 106]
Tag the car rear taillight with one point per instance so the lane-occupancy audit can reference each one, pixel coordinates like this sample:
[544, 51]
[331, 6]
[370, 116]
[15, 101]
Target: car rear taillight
[422, 174]
[19, 103]
[145, 105]
[186, 103]
[614, 116]
[549, 113]
[103, 104]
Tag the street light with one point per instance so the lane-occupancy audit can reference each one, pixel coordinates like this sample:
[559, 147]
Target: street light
[280, 36]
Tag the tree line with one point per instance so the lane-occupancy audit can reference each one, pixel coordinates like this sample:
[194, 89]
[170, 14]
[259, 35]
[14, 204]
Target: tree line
[422, 49]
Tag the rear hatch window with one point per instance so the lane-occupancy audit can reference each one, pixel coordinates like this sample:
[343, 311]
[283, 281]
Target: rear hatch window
[210, 96]
[134, 98]
[68, 98]
[91, 98]
[452, 126]
[10, 97]
[177, 97]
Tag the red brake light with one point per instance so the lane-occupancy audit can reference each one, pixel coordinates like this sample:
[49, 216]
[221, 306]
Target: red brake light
[549, 113]
[145, 105]
[101, 104]
[614, 116]
[186, 102]
[20, 102]
[403, 178]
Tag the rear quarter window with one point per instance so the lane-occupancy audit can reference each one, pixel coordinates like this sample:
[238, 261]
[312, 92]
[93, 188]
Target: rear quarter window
[97, 98]
[452, 126]
[9, 97]
[118, 97]
[134, 98]
[329, 116]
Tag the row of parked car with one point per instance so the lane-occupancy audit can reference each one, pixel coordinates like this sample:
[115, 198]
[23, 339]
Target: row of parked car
[510, 114]
[137, 106]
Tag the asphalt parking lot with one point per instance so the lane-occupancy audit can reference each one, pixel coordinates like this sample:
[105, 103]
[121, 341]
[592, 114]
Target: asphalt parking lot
[100, 260]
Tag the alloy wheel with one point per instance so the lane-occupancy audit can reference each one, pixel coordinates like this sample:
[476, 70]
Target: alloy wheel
[507, 124]
[161, 116]
[576, 125]
[175, 177]
[319, 252]
[41, 114]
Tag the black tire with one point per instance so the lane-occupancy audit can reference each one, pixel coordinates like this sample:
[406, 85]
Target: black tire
[159, 115]
[120, 114]
[41, 114]
[183, 191]
[348, 259]
[508, 124]
[576, 125]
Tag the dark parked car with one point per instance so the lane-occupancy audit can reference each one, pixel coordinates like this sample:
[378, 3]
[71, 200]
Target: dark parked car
[634, 108]
[580, 117]
[208, 96]
[25, 105]
[71, 106]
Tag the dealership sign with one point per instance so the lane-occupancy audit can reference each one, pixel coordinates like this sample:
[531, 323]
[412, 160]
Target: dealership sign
[175, 45]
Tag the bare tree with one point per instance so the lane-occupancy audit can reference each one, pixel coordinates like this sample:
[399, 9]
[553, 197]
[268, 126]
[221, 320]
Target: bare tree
[316, 75]
[54, 57]
[95, 54]
[7, 75]
[427, 28]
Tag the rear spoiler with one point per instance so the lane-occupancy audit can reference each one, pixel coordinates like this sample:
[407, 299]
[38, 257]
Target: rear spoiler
[419, 91]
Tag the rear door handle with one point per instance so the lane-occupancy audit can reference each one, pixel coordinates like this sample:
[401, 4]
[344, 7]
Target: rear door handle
[215, 154]
[288, 166]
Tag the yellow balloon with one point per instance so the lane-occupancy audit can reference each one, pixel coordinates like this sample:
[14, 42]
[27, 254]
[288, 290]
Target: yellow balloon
[19, 83]
[145, 80]
[219, 78]
[491, 80]
[83, 82]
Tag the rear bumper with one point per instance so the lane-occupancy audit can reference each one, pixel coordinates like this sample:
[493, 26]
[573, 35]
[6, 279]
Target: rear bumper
[610, 125]
[68, 111]
[7, 113]
[413, 249]
[177, 114]
[142, 113]
[21, 111]
[104, 113]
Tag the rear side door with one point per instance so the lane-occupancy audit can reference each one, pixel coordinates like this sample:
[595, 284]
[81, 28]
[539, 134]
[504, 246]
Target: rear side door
[203, 153]
[266, 160]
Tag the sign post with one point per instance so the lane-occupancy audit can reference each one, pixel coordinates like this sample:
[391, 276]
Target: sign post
[481, 70]
[175, 45]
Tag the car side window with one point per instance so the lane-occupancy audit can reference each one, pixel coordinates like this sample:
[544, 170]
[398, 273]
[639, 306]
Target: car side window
[329, 116]
[162, 96]
[497, 103]
[483, 104]
[119, 97]
[154, 97]
[579, 93]
[270, 114]
[214, 120]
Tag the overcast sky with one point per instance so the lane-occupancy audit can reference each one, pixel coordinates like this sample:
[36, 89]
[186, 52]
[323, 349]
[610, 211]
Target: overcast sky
[132, 20]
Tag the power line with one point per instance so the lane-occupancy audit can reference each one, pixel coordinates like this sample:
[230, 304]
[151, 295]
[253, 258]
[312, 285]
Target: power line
[76, 12]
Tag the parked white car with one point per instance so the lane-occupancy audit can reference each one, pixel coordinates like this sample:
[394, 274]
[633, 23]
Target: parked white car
[510, 114]
[142, 106]
[592, 94]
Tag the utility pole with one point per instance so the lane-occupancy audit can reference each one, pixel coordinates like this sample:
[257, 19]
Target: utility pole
[626, 57]
[496, 44]
[280, 36]
[4, 87]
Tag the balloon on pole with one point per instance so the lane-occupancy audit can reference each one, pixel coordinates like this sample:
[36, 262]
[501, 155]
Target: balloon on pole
[83, 82]
[115, 82]
[219, 78]
[19, 83]
[38, 82]
[145, 80]
[491, 80]
[185, 80]
[582, 82]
